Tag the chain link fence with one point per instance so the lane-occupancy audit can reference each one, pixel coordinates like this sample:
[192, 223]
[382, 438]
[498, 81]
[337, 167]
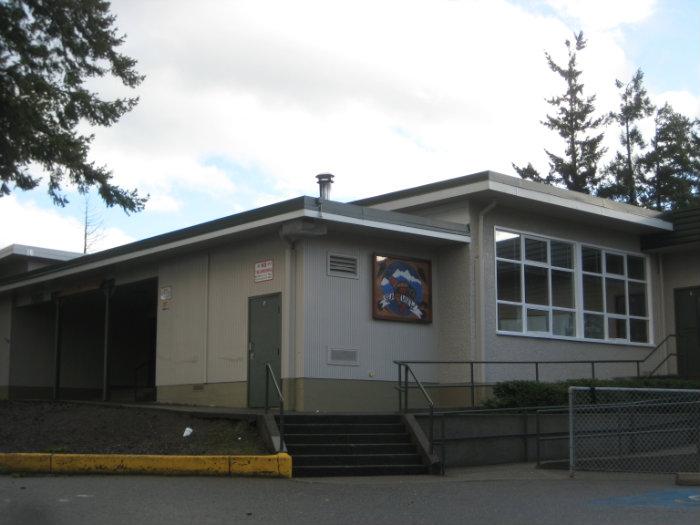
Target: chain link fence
[634, 430]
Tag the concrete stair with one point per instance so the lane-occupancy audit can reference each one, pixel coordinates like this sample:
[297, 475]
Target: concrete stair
[350, 445]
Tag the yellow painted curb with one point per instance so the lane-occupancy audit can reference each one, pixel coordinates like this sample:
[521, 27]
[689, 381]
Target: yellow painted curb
[275, 465]
[138, 464]
[25, 462]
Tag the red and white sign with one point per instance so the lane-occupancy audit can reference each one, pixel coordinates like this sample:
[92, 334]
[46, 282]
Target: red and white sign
[263, 271]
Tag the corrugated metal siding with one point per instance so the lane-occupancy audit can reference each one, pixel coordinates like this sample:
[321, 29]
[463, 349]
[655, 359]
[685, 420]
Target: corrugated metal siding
[231, 283]
[5, 326]
[182, 327]
[202, 336]
[338, 314]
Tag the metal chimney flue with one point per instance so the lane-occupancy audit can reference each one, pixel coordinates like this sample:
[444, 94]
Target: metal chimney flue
[324, 186]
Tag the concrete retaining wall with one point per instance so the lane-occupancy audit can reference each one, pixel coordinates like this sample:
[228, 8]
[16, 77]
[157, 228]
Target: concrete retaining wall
[490, 439]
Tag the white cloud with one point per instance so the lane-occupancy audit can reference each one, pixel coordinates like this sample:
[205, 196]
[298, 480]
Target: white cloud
[48, 228]
[604, 14]
[385, 95]
[682, 102]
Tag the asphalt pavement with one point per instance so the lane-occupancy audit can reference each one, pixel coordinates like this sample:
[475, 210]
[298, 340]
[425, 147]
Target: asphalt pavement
[518, 494]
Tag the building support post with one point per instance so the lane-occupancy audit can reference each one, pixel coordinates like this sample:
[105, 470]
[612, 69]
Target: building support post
[57, 349]
[108, 289]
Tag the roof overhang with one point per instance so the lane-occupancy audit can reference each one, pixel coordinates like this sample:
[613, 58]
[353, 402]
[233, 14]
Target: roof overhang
[24, 251]
[260, 220]
[496, 185]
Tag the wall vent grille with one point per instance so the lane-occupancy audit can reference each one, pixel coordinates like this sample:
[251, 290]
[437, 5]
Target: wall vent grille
[342, 265]
[343, 356]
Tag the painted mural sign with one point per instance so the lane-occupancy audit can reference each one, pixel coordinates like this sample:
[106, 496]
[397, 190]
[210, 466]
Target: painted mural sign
[401, 289]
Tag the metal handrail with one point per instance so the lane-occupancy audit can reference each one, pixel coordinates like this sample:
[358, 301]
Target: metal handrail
[668, 356]
[431, 403]
[537, 364]
[270, 374]
[663, 341]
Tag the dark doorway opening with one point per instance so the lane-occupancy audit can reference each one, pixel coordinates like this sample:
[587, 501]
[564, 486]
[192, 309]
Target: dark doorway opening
[95, 345]
[687, 313]
[132, 342]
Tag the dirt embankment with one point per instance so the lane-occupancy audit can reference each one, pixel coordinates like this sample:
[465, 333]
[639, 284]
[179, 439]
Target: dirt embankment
[35, 426]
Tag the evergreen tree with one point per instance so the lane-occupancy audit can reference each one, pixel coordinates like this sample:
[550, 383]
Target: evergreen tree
[573, 120]
[626, 169]
[48, 49]
[672, 162]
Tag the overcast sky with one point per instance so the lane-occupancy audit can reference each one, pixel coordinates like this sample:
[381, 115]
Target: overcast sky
[246, 101]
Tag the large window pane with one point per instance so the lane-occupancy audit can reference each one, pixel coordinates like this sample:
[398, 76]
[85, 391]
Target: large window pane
[617, 328]
[508, 281]
[507, 245]
[590, 260]
[562, 254]
[562, 289]
[536, 285]
[593, 293]
[593, 326]
[614, 263]
[537, 320]
[563, 323]
[639, 331]
[615, 296]
[637, 298]
[535, 250]
[510, 318]
[635, 267]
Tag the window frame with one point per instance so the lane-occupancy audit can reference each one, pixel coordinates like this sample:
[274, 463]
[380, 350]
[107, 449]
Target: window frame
[577, 274]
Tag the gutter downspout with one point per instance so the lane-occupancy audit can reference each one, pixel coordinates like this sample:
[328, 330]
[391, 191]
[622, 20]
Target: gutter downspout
[661, 332]
[480, 309]
[290, 278]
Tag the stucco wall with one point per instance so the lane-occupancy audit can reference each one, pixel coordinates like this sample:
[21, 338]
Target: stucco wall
[202, 334]
[506, 347]
[338, 312]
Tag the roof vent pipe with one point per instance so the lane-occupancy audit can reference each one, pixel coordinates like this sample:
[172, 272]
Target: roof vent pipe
[324, 186]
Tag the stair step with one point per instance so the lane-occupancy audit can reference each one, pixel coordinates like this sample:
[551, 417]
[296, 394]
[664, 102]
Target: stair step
[350, 448]
[343, 418]
[337, 439]
[343, 428]
[358, 470]
[357, 459]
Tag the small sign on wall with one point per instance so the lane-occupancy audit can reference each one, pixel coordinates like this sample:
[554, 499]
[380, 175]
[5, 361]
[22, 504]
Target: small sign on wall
[263, 271]
[165, 296]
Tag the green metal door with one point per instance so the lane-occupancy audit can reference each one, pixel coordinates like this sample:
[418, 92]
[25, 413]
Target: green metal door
[687, 311]
[264, 341]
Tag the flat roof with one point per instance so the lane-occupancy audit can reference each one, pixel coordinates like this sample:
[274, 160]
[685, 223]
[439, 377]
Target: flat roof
[23, 250]
[272, 215]
[490, 181]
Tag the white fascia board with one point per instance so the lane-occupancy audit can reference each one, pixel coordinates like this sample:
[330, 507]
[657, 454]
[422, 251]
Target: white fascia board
[233, 230]
[398, 228]
[524, 193]
[601, 211]
[154, 250]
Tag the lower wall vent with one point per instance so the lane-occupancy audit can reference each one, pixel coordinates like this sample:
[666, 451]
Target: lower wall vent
[343, 356]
